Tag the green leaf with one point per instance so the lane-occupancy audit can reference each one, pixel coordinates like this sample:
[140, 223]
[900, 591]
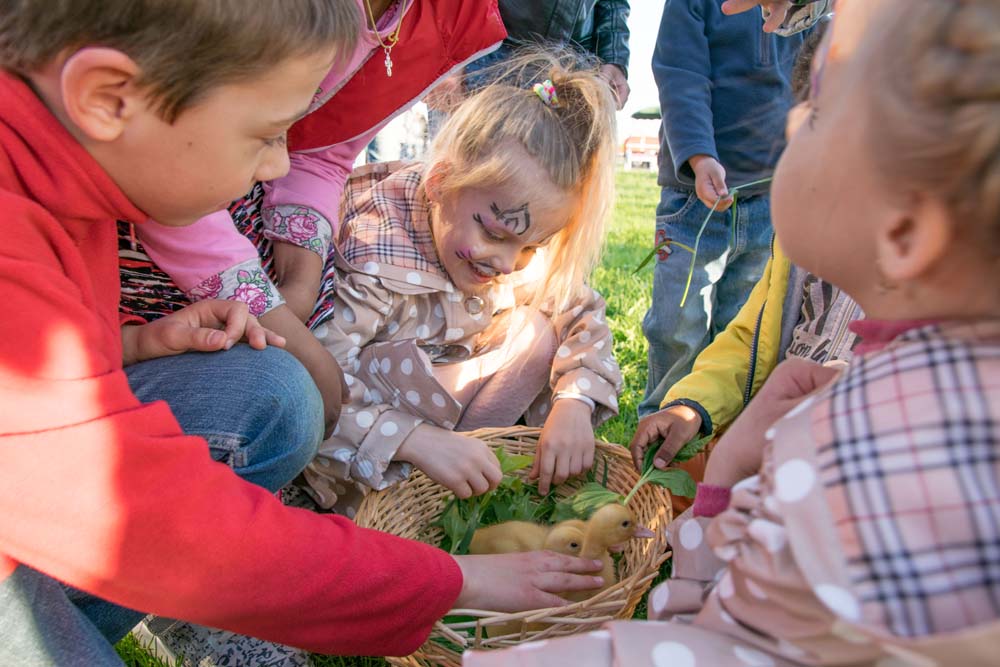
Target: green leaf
[657, 248]
[453, 525]
[512, 462]
[585, 501]
[693, 447]
[678, 481]
[470, 530]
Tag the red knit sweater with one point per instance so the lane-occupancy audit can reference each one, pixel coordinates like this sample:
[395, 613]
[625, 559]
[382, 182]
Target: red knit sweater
[107, 494]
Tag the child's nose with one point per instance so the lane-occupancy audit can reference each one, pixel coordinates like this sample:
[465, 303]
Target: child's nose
[273, 165]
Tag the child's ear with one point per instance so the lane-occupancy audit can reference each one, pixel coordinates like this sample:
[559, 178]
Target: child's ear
[98, 91]
[434, 181]
[916, 240]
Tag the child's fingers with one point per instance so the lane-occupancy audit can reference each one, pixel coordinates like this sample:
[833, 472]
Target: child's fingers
[737, 6]
[479, 485]
[277, 340]
[546, 467]
[462, 490]
[777, 17]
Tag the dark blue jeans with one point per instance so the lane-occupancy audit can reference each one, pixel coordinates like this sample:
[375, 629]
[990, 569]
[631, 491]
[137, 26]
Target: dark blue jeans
[734, 248]
[260, 413]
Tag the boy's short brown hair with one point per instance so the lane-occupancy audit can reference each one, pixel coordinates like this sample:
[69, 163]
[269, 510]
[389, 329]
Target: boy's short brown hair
[183, 47]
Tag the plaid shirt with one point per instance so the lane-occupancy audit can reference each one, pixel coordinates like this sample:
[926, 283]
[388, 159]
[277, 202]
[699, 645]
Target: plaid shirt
[909, 455]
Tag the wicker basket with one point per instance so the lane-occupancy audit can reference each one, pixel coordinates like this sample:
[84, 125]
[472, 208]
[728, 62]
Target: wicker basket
[409, 509]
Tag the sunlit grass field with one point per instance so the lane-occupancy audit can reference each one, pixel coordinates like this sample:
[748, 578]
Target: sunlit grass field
[627, 295]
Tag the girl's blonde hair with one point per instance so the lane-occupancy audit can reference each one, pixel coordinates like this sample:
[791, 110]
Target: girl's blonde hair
[935, 67]
[574, 143]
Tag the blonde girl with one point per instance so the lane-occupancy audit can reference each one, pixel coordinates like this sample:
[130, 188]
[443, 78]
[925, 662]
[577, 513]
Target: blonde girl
[456, 297]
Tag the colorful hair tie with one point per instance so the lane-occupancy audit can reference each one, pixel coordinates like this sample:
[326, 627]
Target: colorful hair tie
[547, 93]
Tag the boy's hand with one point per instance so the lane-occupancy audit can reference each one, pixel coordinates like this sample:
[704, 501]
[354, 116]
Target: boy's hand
[566, 445]
[778, 8]
[615, 77]
[675, 425]
[522, 581]
[739, 453]
[457, 462]
[298, 273]
[710, 182]
[206, 326]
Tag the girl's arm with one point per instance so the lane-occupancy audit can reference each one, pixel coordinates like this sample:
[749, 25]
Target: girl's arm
[301, 214]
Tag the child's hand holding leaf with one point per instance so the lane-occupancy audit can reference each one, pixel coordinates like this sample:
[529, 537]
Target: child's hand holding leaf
[464, 465]
[675, 426]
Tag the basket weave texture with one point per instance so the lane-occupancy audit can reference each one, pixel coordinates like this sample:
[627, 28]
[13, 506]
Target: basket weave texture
[409, 509]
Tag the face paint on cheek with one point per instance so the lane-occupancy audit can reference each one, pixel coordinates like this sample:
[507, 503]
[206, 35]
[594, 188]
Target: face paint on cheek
[518, 220]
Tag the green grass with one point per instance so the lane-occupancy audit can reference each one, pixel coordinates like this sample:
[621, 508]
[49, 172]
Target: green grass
[628, 297]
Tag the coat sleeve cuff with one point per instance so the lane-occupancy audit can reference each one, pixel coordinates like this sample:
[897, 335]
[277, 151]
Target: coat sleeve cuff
[710, 500]
[706, 419]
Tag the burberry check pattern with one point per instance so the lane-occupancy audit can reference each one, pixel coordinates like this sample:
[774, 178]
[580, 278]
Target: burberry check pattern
[910, 460]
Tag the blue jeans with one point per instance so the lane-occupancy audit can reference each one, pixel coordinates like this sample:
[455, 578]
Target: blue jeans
[734, 248]
[260, 413]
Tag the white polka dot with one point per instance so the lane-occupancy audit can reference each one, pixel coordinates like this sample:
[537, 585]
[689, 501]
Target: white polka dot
[725, 587]
[365, 468]
[793, 480]
[580, 357]
[658, 600]
[789, 649]
[584, 384]
[672, 654]
[438, 311]
[355, 338]
[454, 296]
[353, 353]
[413, 278]
[349, 379]
[406, 366]
[752, 657]
[385, 365]
[373, 366]
[321, 331]
[370, 267]
[413, 397]
[839, 601]
[691, 535]
[349, 316]
[726, 617]
[769, 434]
[584, 336]
[454, 334]
[771, 535]
[755, 589]
[376, 396]
[543, 408]
[448, 425]
[357, 364]
[389, 429]
[428, 369]
[343, 454]
[336, 429]
[423, 331]
[351, 512]
[413, 311]
[612, 400]
[393, 328]
[599, 634]
[531, 646]
[367, 396]
[437, 399]
[364, 419]
[609, 364]
[599, 345]
[726, 552]
[563, 351]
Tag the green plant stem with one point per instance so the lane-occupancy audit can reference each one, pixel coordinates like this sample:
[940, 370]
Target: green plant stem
[697, 239]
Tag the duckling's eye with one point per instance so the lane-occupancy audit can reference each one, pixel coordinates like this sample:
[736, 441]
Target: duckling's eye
[626, 523]
[573, 545]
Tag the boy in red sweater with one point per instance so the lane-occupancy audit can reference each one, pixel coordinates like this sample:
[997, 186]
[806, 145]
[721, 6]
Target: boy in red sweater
[131, 109]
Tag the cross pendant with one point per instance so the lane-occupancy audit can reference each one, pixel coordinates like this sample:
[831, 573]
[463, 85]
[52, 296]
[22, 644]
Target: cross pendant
[388, 64]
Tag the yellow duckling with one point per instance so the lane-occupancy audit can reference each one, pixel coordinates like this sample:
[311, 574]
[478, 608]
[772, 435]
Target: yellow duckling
[508, 537]
[609, 526]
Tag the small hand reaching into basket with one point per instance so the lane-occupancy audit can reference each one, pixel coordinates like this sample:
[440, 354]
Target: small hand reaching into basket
[522, 581]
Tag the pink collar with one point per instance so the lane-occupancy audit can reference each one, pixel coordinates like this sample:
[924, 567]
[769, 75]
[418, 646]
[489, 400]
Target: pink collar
[876, 334]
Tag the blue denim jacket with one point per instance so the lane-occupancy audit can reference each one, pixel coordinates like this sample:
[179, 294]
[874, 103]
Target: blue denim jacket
[724, 89]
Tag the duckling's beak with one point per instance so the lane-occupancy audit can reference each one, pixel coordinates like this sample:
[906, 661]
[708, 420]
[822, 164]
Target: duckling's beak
[643, 532]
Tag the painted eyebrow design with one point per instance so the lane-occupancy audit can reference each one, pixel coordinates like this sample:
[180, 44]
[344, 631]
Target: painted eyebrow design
[518, 219]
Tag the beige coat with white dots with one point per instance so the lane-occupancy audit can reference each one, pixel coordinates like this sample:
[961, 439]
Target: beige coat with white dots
[392, 312]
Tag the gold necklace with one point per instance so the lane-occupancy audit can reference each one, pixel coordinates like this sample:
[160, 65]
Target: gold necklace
[391, 39]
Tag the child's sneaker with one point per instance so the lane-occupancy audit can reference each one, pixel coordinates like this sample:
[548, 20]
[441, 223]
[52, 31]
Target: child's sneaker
[187, 645]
